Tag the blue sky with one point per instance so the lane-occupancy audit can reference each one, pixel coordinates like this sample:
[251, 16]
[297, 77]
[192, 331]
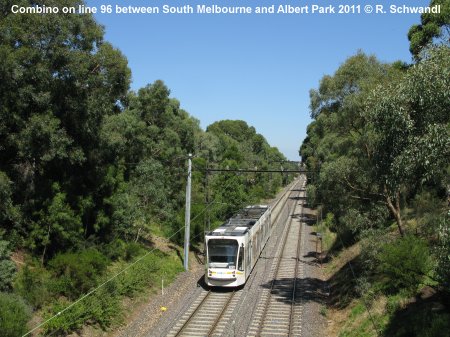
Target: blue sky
[258, 68]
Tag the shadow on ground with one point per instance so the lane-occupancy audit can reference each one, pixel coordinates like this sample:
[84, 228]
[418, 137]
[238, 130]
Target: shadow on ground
[312, 289]
[421, 317]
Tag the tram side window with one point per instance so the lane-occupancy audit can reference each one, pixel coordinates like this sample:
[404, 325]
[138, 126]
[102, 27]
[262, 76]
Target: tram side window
[241, 259]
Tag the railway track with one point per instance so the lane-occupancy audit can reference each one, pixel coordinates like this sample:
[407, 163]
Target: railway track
[210, 313]
[278, 312]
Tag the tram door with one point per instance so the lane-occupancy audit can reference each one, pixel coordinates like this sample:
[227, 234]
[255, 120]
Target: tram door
[249, 256]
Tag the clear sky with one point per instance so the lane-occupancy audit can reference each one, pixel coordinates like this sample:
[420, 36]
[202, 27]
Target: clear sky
[254, 67]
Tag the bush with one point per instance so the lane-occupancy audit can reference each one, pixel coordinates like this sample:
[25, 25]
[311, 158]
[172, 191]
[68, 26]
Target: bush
[103, 307]
[14, 315]
[418, 321]
[78, 272]
[115, 249]
[119, 249]
[311, 195]
[443, 256]
[32, 284]
[7, 267]
[406, 262]
[372, 243]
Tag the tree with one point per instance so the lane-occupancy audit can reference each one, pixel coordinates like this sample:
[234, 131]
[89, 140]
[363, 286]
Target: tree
[58, 81]
[410, 121]
[433, 27]
[338, 146]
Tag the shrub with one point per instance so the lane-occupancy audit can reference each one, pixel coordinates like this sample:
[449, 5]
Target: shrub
[78, 272]
[69, 320]
[418, 321]
[102, 308]
[7, 267]
[372, 244]
[311, 195]
[115, 249]
[32, 284]
[14, 315]
[406, 262]
[443, 256]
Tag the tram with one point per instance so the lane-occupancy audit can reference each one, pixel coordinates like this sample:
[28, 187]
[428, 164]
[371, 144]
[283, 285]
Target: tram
[233, 248]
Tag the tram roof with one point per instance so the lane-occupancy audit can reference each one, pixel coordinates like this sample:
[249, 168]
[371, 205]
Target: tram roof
[241, 222]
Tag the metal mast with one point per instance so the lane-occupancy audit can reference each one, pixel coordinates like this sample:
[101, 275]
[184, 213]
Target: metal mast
[187, 217]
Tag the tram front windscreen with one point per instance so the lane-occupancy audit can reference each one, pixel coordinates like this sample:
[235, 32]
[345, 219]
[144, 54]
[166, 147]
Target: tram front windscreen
[222, 253]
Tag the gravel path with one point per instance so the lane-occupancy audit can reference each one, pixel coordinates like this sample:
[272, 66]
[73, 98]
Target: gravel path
[314, 287]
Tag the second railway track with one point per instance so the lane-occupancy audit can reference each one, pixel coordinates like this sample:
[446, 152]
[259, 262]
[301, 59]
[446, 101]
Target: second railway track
[278, 312]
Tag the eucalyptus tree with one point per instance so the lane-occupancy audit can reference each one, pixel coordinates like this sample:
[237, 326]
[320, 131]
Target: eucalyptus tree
[434, 29]
[58, 81]
[338, 146]
[410, 119]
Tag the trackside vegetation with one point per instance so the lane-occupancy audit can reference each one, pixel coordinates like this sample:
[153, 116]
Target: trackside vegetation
[92, 175]
[379, 148]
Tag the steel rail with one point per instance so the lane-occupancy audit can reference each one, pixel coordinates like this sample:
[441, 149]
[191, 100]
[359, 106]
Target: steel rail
[294, 290]
[267, 301]
[213, 327]
[193, 313]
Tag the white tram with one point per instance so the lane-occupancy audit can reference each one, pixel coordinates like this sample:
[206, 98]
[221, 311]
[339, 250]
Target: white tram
[233, 249]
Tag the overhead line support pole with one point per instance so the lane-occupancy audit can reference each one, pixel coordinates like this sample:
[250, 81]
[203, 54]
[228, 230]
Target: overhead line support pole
[187, 217]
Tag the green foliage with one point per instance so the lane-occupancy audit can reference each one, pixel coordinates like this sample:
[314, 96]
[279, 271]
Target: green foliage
[14, 315]
[311, 195]
[84, 159]
[7, 267]
[90, 170]
[237, 145]
[104, 306]
[77, 272]
[338, 146]
[58, 224]
[9, 213]
[379, 147]
[33, 284]
[434, 27]
[443, 255]
[379, 133]
[406, 262]
[410, 120]
[372, 243]
[418, 321]
[59, 79]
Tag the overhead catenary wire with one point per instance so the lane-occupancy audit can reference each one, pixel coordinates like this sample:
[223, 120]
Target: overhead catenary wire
[212, 203]
[97, 288]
